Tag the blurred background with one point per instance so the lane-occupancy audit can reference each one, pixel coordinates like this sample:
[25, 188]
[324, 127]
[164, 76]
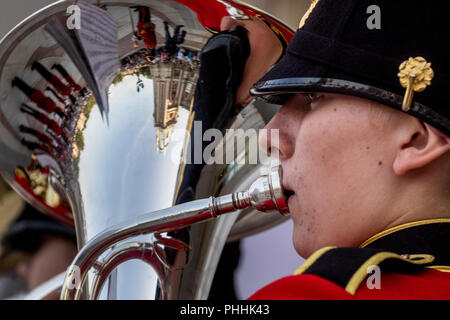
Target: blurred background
[266, 256]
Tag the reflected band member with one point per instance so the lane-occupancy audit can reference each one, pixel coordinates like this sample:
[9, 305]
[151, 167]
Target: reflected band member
[51, 78]
[42, 101]
[39, 135]
[66, 76]
[51, 124]
[146, 28]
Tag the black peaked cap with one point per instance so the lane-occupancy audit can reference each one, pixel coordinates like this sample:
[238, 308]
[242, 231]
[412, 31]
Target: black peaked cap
[336, 51]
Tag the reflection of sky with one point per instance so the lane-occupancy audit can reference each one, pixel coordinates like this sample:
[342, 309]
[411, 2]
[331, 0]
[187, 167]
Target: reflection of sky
[121, 172]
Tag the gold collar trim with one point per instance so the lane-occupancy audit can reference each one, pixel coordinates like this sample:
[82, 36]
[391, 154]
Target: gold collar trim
[307, 13]
[440, 268]
[401, 227]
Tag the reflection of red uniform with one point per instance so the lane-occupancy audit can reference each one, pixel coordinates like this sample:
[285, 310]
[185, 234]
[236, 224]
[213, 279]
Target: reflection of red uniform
[45, 103]
[413, 261]
[54, 80]
[39, 135]
[51, 124]
[57, 96]
[59, 86]
[73, 84]
[146, 30]
[34, 145]
[66, 76]
[210, 14]
[42, 137]
[42, 101]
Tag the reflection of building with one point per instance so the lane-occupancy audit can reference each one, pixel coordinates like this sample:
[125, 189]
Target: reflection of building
[174, 88]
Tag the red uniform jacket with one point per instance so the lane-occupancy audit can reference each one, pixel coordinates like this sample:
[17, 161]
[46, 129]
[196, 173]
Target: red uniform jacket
[146, 30]
[411, 261]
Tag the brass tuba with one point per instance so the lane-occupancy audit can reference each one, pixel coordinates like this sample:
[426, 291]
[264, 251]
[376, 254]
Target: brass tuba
[99, 112]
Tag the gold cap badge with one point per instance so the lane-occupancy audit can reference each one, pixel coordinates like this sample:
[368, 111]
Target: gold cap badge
[415, 75]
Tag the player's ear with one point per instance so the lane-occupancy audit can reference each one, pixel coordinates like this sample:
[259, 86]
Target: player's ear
[422, 145]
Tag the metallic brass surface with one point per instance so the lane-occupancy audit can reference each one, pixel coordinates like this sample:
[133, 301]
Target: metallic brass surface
[265, 194]
[415, 75]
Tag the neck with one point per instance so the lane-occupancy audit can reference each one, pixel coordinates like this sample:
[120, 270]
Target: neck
[418, 201]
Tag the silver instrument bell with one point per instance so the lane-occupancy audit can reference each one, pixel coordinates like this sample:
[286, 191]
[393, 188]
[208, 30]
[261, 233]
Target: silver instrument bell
[97, 112]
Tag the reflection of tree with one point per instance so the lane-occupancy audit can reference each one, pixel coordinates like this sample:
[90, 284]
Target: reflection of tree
[78, 144]
[118, 78]
[145, 72]
[90, 103]
[136, 64]
[79, 140]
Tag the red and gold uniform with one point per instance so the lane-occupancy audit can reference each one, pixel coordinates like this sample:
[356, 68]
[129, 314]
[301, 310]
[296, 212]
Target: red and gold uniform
[413, 259]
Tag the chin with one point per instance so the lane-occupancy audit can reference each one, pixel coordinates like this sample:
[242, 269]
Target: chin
[302, 245]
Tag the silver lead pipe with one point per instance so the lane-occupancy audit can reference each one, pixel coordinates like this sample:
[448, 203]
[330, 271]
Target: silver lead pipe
[265, 194]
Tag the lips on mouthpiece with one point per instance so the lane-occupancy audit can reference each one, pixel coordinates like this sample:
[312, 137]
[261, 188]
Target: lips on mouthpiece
[288, 193]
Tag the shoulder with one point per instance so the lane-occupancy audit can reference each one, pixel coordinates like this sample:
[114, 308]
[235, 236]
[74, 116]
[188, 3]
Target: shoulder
[301, 287]
[361, 273]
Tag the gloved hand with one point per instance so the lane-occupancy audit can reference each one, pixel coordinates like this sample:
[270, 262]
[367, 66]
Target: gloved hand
[265, 50]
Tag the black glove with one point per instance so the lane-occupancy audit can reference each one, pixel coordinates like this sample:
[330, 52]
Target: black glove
[222, 63]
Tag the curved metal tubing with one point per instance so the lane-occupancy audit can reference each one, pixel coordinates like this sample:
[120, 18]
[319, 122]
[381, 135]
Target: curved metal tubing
[118, 255]
[265, 194]
[164, 220]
